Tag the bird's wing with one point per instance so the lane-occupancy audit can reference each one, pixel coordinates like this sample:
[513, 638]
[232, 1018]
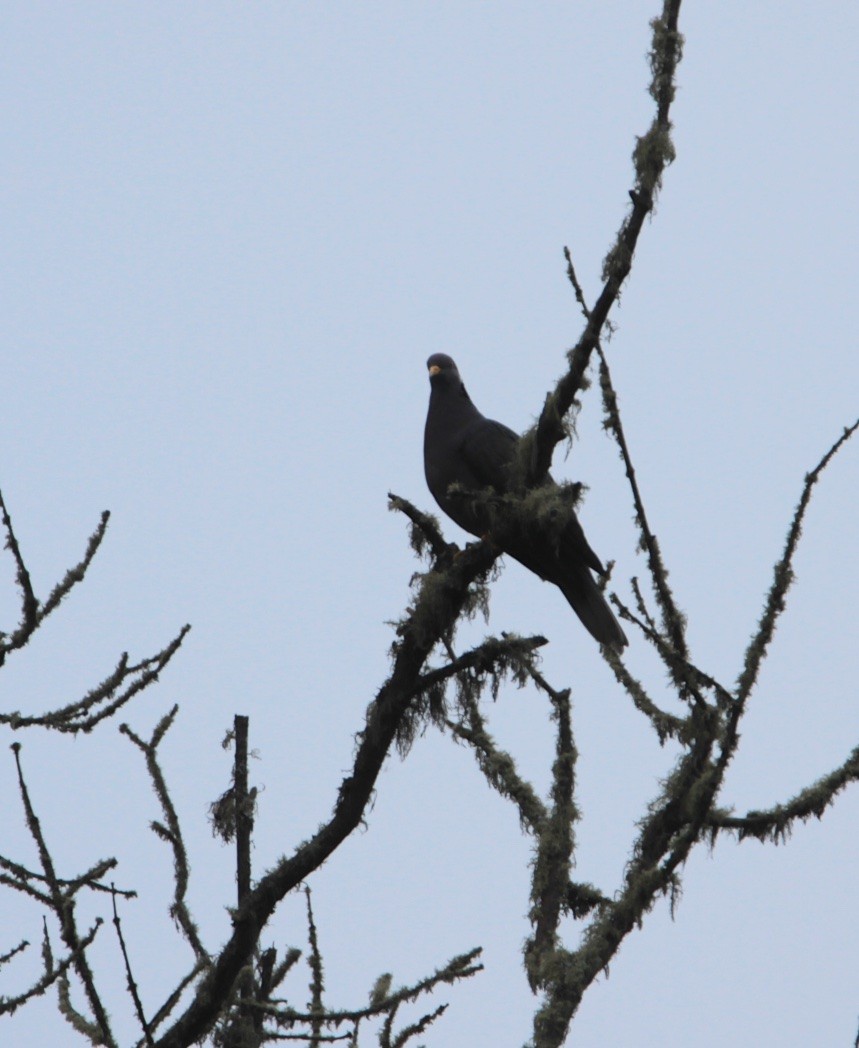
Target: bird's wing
[487, 449]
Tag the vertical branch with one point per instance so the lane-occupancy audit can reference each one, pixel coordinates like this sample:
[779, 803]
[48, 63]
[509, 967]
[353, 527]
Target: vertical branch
[551, 878]
[244, 826]
[129, 976]
[171, 831]
[244, 813]
[317, 981]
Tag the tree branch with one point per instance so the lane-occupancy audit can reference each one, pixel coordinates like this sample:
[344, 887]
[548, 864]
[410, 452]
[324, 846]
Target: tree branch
[32, 613]
[63, 906]
[673, 621]
[653, 152]
[432, 617]
[775, 824]
[76, 716]
[783, 576]
[172, 832]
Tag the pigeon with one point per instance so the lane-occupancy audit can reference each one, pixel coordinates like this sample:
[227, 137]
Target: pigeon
[468, 450]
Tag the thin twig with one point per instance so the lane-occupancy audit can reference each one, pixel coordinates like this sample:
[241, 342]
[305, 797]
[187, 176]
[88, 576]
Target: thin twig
[62, 903]
[8, 1005]
[172, 832]
[32, 613]
[133, 679]
[481, 658]
[129, 976]
[29, 603]
[577, 287]
[673, 620]
[316, 1007]
[463, 966]
[783, 575]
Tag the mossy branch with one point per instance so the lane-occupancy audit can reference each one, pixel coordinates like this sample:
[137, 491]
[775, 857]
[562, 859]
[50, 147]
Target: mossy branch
[171, 832]
[33, 611]
[776, 824]
[654, 151]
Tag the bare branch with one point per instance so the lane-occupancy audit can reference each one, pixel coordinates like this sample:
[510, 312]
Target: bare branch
[673, 621]
[175, 996]
[32, 613]
[76, 716]
[62, 903]
[577, 287]
[653, 152]
[783, 576]
[129, 977]
[76, 574]
[462, 966]
[10, 1004]
[29, 603]
[666, 725]
[6, 957]
[415, 1029]
[688, 678]
[172, 833]
[431, 619]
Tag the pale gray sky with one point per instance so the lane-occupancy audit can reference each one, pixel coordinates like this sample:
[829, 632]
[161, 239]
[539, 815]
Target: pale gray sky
[233, 234]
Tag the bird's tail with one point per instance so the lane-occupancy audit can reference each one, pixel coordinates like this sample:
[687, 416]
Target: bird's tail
[587, 601]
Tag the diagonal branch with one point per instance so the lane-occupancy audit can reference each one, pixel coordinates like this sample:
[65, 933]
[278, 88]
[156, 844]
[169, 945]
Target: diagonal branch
[106, 698]
[32, 613]
[665, 724]
[430, 620]
[673, 620]
[783, 576]
[62, 903]
[29, 603]
[425, 531]
[688, 678]
[499, 769]
[654, 151]
[775, 824]
[8, 1005]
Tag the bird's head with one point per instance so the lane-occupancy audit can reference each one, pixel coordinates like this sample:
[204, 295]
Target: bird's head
[443, 371]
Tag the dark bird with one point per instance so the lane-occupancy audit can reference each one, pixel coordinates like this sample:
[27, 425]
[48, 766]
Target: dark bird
[463, 448]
